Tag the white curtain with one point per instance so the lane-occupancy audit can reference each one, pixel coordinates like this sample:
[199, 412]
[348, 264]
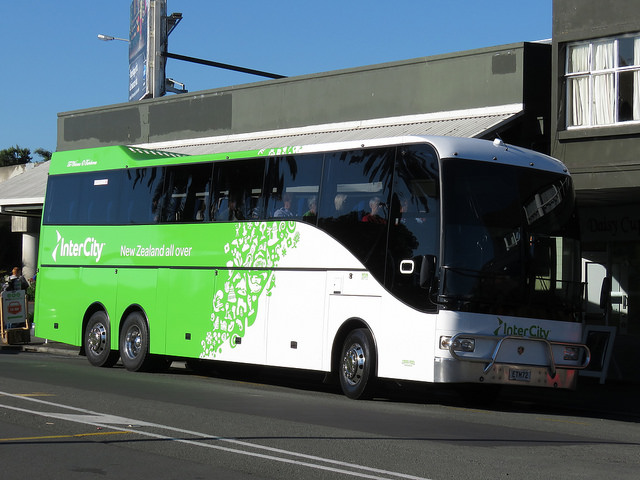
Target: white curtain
[636, 77]
[579, 86]
[604, 84]
[579, 91]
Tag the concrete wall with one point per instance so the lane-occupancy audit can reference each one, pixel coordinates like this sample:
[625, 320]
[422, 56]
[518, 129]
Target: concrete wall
[477, 78]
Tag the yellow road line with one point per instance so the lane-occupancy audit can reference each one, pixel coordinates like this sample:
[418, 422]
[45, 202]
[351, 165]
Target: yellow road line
[57, 437]
[35, 394]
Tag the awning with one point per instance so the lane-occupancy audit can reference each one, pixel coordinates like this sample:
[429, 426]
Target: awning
[472, 123]
[24, 194]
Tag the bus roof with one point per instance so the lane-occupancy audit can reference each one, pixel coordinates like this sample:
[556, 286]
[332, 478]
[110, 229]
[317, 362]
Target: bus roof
[116, 157]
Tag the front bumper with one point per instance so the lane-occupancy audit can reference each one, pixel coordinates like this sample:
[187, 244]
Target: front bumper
[506, 363]
[448, 370]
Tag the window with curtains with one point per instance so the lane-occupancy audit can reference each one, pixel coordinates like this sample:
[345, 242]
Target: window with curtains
[603, 81]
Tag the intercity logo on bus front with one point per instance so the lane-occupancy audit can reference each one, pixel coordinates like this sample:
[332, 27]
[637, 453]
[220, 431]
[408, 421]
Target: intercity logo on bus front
[89, 248]
[535, 331]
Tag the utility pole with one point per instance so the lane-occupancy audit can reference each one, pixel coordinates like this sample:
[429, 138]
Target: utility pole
[149, 31]
[157, 46]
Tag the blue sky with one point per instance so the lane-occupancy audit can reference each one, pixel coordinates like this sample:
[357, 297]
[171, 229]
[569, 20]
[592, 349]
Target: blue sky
[51, 60]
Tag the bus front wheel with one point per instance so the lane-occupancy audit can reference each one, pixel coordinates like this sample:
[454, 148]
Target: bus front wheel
[97, 341]
[357, 364]
[134, 343]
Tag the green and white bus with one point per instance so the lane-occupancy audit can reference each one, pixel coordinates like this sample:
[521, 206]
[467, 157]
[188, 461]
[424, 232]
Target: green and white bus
[429, 259]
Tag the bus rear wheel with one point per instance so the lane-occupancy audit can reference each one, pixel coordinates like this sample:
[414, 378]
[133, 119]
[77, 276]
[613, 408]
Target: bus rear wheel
[97, 341]
[134, 343]
[357, 364]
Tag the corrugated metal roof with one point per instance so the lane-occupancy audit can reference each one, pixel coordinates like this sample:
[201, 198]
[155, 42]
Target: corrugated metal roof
[25, 190]
[467, 123]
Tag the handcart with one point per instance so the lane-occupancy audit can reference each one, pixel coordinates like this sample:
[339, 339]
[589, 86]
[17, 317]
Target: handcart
[14, 318]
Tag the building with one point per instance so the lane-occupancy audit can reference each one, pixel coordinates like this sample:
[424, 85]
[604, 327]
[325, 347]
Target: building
[596, 132]
[21, 195]
[476, 93]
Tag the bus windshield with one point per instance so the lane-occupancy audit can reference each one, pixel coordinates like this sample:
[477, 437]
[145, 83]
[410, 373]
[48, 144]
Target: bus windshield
[510, 241]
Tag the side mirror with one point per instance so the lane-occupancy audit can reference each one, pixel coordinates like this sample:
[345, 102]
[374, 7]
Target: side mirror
[427, 271]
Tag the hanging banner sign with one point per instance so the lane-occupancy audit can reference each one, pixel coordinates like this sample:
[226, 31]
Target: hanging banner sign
[138, 50]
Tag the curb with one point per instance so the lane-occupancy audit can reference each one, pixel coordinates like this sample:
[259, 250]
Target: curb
[54, 349]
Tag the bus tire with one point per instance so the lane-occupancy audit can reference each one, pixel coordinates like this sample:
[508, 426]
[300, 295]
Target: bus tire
[134, 343]
[97, 341]
[357, 364]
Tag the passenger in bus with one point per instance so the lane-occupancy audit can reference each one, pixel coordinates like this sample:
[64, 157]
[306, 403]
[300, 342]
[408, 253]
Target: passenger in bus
[404, 218]
[201, 211]
[285, 211]
[376, 209]
[340, 202]
[312, 213]
[233, 212]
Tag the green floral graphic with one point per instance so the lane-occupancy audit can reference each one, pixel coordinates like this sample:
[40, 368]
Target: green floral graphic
[253, 254]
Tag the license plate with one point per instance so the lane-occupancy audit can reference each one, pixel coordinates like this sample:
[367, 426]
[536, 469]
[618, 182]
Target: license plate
[520, 375]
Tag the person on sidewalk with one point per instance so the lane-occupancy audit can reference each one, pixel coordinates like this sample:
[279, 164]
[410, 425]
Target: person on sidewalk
[16, 281]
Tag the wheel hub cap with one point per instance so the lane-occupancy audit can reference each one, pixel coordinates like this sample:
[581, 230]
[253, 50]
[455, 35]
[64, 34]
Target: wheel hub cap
[97, 338]
[353, 364]
[133, 342]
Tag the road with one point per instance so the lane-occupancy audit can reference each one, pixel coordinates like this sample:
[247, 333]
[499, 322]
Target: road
[63, 419]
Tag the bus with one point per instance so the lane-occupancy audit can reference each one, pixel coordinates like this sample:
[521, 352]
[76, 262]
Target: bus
[422, 259]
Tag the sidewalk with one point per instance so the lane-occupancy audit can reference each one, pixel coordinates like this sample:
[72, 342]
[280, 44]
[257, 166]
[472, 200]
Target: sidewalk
[41, 345]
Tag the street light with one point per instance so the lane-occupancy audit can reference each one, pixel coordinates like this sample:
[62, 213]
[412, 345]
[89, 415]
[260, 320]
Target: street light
[108, 38]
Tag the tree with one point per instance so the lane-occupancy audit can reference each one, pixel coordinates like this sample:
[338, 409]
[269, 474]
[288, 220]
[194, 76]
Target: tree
[14, 156]
[19, 156]
[45, 154]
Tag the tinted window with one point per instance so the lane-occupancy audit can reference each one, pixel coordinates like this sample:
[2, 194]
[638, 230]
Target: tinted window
[84, 199]
[354, 207]
[508, 235]
[292, 187]
[141, 194]
[415, 222]
[186, 193]
[237, 190]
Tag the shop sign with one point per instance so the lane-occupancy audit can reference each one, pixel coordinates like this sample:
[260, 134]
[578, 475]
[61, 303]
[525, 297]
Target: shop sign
[614, 224]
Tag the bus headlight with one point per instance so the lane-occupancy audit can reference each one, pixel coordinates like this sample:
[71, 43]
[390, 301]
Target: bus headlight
[571, 353]
[459, 345]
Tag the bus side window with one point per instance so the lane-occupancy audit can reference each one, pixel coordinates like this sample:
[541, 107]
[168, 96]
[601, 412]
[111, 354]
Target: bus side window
[141, 196]
[354, 182]
[96, 193]
[238, 189]
[415, 225]
[73, 211]
[194, 192]
[292, 186]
